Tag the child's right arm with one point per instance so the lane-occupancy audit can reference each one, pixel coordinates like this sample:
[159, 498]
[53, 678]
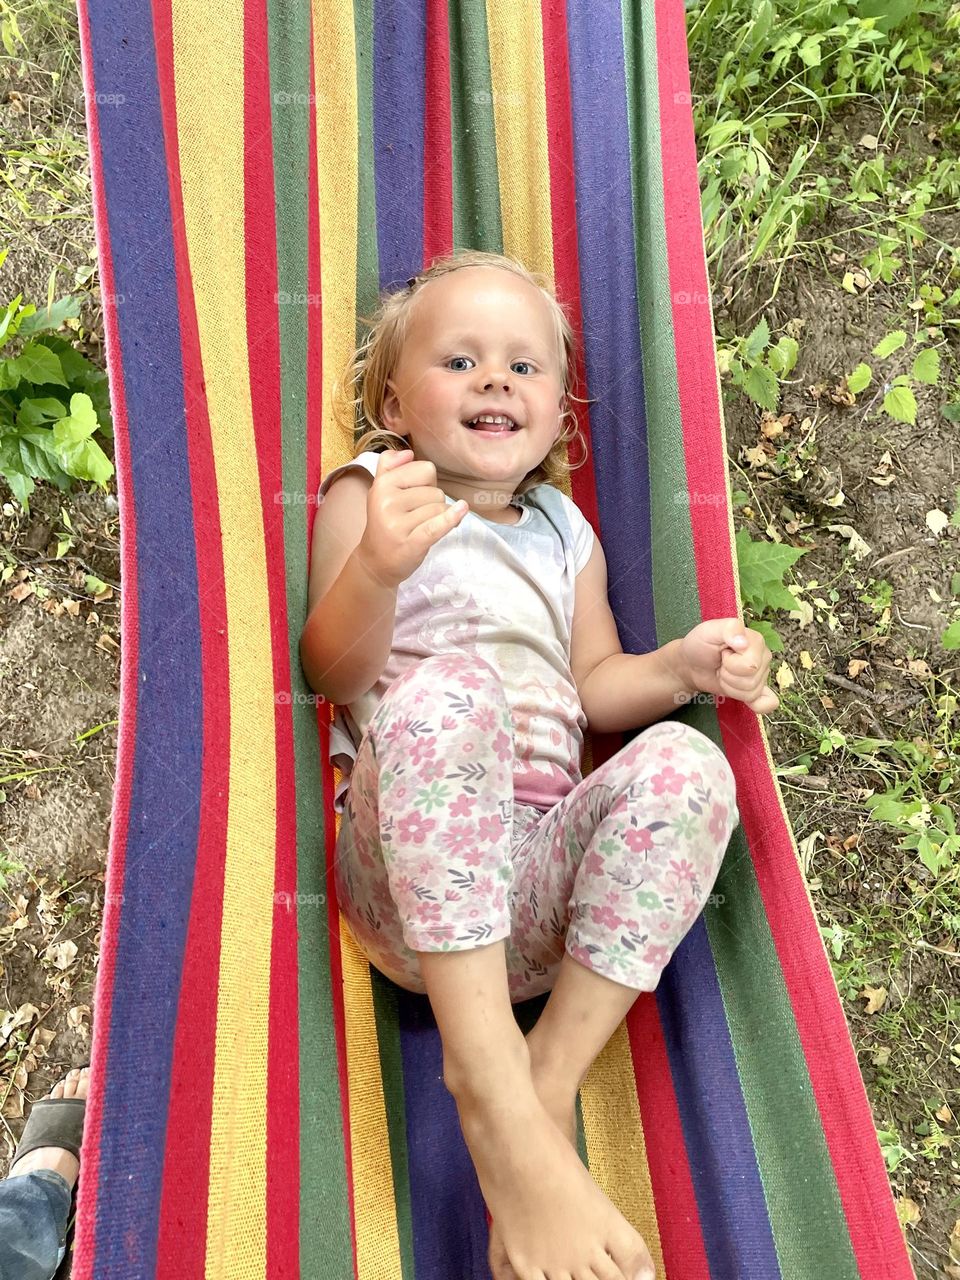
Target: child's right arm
[370, 535]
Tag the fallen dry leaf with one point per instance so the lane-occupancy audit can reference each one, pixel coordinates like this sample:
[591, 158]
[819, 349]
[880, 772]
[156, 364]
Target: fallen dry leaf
[855, 666]
[61, 954]
[908, 1211]
[875, 998]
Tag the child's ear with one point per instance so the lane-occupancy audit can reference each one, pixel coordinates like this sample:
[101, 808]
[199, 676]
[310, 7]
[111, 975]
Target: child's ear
[389, 410]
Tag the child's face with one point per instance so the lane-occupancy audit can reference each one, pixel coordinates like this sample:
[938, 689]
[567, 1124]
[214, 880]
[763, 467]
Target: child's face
[480, 339]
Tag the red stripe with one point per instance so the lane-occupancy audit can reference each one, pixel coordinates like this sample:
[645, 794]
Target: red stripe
[86, 1222]
[834, 1073]
[182, 1228]
[437, 141]
[263, 353]
[678, 1217]
[324, 710]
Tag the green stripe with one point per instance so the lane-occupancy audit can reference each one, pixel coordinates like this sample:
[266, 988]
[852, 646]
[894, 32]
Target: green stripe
[368, 253]
[476, 188]
[325, 1234]
[806, 1215]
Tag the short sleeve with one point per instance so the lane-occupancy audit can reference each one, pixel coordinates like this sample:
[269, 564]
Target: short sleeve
[582, 530]
[369, 460]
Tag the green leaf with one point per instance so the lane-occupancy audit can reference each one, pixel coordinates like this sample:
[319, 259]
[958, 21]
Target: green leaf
[38, 364]
[762, 566]
[783, 356]
[810, 51]
[757, 340]
[10, 320]
[951, 411]
[860, 378]
[761, 385]
[901, 404]
[892, 342]
[64, 309]
[769, 633]
[951, 637]
[9, 376]
[33, 413]
[77, 453]
[926, 366]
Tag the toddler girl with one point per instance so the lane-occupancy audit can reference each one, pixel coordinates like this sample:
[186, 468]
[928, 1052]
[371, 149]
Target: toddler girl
[459, 621]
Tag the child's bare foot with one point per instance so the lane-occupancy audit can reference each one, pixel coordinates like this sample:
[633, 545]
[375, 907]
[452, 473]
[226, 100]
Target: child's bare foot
[560, 1105]
[553, 1219]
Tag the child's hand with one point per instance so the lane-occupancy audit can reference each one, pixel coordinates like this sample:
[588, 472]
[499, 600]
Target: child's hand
[406, 515]
[725, 658]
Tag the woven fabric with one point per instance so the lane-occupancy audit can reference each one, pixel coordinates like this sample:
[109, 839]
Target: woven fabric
[264, 1104]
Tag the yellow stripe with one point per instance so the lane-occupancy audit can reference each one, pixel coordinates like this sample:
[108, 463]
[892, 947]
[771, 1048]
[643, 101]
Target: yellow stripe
[611, 1111]
[208, 70]
[520, 122]
[616, 1149]
[334, 51]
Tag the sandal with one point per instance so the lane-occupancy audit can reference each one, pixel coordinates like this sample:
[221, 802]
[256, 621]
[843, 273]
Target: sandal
[53, 1122]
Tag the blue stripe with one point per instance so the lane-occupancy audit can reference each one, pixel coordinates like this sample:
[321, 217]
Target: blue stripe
[164, 803]
[611, 325]
[723, 1161]
[450, 1237]
[399, 82]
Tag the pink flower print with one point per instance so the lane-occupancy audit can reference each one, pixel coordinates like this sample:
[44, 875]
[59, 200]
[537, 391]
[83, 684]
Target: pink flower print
[405, 885]
[399, 794]
[503, 746]
[474, 855]
[718, 821]
[485, 718]
[656, 955]
[681, 872]
[466, 747]
[428, 912]
[594, 864]
[490, 827]
[414, 828]
[472, 679]
[499, 898]
[431, 770]
[485, 885]
[639, 840]
[449, 722]
[605, 915]
[459, 837]
[462, 805]
[422, 747]
[668, 780]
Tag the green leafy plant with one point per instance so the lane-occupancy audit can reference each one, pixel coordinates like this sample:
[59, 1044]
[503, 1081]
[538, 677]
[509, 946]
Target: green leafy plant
[761, 568]
[756, 367]
[899, 396]
[52, 401]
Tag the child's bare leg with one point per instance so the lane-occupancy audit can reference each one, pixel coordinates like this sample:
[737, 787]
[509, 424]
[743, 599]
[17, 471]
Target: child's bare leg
[552, 1218]
[581, 1014]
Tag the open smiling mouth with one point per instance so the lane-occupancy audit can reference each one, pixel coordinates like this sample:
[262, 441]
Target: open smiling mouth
[485, 426]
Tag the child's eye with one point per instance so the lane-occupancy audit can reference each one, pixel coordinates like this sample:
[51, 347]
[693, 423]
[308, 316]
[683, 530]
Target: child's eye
[526, 363]
[453, 358]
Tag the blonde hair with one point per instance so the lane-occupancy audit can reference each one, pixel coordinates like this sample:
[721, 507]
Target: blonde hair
[359, 394]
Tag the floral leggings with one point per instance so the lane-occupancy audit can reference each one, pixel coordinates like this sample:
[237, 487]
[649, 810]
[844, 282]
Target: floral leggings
[433, 854]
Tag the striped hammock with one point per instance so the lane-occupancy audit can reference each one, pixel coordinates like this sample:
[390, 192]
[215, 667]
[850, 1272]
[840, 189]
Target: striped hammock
[265, 1105]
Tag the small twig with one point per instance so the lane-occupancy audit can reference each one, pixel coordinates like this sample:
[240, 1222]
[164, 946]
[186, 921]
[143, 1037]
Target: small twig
[844, 683]
[914, 626]
[893, 555]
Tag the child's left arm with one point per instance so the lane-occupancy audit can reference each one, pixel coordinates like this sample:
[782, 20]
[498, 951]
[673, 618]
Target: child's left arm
[624, 691]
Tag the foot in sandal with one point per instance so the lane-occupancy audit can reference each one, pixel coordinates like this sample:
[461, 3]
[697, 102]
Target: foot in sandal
[52, 1120]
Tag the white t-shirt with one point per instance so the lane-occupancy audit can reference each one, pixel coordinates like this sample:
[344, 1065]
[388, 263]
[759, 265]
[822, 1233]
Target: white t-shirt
[505, 593]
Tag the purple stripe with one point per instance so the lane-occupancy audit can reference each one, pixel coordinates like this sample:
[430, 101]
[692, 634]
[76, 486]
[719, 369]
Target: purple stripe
[449, 1225]
[723, 1162]
[399, 73]
[164, 805]
[611, 326]
[707, 1086]
[446, 1206]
